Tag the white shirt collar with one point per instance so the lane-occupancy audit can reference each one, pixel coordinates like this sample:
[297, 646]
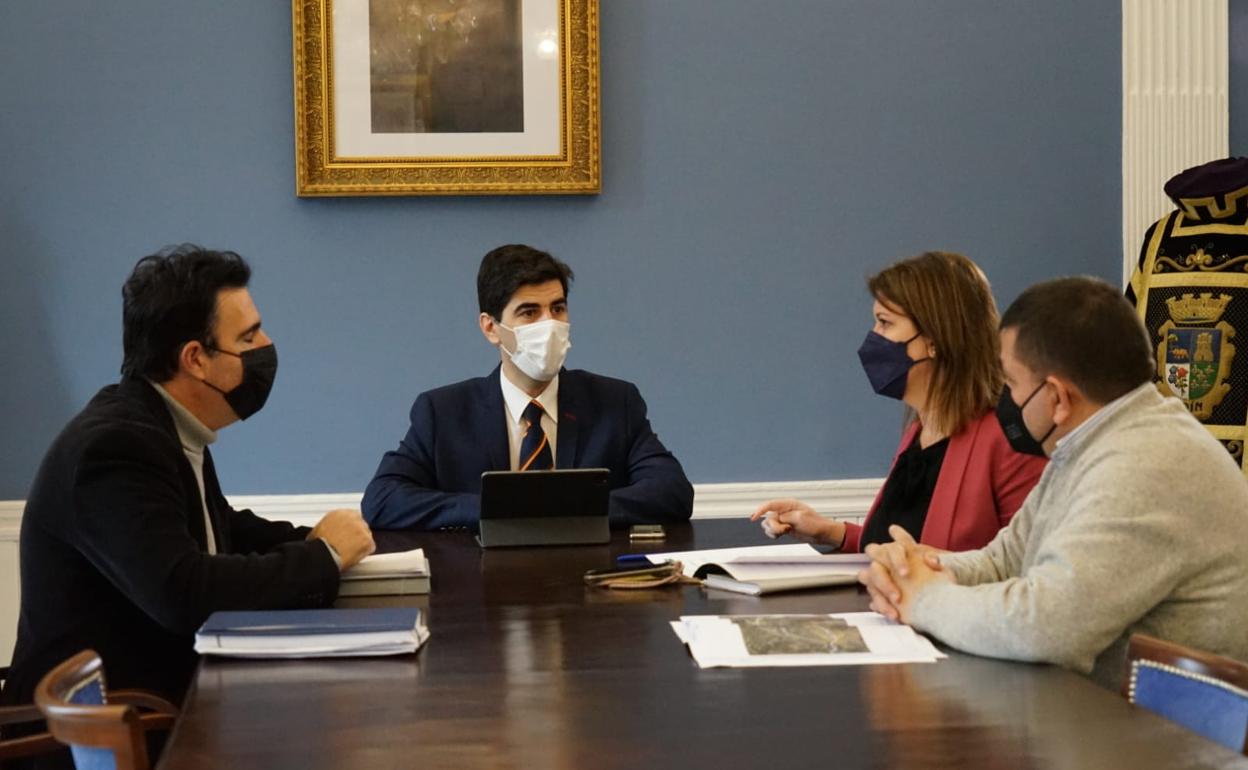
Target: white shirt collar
[517, 400]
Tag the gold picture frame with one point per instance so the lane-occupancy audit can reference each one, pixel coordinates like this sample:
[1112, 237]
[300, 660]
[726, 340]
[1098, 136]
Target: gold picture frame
[364, 125]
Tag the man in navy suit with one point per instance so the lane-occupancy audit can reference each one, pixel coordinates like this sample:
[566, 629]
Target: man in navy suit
[528, 414]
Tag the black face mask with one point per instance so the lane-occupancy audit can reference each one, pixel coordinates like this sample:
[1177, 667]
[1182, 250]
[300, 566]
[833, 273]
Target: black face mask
[259, 371]
[1010, 415]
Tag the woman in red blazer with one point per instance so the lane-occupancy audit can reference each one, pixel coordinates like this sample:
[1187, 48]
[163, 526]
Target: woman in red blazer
[954, 480]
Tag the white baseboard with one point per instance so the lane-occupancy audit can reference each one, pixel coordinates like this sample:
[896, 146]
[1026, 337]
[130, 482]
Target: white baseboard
[10, 519]
[840, 499]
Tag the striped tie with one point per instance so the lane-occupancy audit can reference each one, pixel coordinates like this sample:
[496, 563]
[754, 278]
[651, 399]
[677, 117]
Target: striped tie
[534, 448]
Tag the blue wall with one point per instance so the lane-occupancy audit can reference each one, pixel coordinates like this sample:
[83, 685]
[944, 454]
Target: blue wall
[759, 160]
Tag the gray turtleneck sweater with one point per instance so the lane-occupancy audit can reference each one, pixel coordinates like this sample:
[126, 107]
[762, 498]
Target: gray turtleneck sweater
[1139, 523]
[195, 436]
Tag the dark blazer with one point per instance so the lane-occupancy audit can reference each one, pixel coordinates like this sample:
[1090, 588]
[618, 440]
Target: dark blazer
[433, 480]
[113, 551]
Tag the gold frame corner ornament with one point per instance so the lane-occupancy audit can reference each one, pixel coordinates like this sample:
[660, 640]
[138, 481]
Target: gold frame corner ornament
[576, 170]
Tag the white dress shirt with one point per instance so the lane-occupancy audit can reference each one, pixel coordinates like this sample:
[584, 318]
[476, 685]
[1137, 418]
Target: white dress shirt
[516, 401]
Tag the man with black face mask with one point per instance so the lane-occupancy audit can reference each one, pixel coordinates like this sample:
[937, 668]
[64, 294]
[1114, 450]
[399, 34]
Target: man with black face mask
[127, 542]
[1137, 525]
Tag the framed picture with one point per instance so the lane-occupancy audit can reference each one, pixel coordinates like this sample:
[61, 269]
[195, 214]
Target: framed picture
[446, 97]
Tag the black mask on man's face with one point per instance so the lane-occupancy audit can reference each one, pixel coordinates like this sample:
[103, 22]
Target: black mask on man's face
[259, 371]
[1010, 415]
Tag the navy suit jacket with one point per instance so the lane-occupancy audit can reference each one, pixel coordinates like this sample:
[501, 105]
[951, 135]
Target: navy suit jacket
[433, 480]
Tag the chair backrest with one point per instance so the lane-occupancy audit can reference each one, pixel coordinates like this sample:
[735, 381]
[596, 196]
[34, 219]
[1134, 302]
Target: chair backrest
[101, 736]
[1206, 693]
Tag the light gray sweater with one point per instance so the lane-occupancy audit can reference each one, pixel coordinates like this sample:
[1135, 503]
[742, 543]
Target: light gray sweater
[1139, 523]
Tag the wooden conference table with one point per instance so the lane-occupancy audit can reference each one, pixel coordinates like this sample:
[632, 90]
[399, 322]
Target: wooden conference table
[529, 668]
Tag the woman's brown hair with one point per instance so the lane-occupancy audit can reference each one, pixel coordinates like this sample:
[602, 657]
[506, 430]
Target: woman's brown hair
[950, 302]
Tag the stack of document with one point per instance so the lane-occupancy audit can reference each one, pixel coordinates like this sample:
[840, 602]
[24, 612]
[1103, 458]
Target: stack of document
[312, 633]
[852, 638]
[383, 574]
[766, 569]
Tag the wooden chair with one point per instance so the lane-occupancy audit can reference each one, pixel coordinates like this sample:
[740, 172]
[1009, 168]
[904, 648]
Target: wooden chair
[1206, 693]
[104, 730]
[30, 745]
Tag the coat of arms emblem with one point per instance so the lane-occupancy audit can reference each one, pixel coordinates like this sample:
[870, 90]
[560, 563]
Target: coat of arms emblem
[1195, 352]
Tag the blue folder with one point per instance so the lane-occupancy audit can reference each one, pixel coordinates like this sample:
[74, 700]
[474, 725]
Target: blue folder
[301, 622]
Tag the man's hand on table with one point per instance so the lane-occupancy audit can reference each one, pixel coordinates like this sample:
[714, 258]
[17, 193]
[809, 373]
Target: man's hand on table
[898, 570]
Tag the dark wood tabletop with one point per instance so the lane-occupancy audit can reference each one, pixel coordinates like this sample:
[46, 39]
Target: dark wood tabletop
[529, 668]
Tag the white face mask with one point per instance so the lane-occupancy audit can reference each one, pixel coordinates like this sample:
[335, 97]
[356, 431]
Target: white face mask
[541, 348]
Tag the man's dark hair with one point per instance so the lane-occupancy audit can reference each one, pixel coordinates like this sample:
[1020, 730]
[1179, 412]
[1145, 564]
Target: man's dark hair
[507, 268]
[170, 299]
[1083, 329]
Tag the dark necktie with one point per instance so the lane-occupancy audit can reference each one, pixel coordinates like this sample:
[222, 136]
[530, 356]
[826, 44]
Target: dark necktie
[534, 448]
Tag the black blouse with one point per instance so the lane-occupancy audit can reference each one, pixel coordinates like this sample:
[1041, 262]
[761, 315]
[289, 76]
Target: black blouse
[907, 492]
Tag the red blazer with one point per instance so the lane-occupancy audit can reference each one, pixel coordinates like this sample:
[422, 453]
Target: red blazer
[982, 482]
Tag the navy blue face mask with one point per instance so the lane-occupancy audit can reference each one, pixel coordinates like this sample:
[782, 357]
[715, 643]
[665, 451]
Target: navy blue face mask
[886, 363]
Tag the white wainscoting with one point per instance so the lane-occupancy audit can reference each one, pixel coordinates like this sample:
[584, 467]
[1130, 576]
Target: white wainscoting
[844, 499]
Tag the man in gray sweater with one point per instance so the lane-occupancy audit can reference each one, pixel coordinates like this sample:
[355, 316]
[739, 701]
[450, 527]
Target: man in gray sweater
[1139, 523]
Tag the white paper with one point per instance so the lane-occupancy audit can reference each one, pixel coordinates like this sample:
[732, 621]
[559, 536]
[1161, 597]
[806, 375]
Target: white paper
[312, 645]
[384, 565]
[692, 560]
[312, 652]
[859, 560]
[679, 628]
[716, 641]
[760, 562]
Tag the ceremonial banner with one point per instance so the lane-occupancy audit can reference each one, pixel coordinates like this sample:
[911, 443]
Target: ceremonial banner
[1191, 290]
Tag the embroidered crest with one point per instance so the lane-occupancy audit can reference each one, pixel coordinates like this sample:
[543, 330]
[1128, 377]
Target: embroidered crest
[1195, 352]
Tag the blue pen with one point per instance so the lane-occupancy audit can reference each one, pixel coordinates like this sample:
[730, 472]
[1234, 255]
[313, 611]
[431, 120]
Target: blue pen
[632, 558]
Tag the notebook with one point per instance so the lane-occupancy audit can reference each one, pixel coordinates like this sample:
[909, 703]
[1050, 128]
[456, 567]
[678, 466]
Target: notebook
[312, 633]
[766, 569]
[387, 574]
